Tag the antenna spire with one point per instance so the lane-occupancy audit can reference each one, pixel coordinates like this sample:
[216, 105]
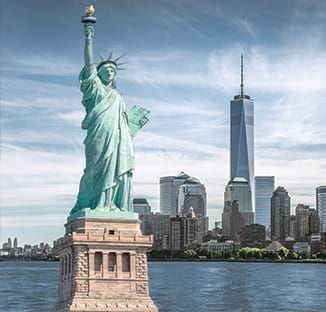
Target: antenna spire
[241, 85]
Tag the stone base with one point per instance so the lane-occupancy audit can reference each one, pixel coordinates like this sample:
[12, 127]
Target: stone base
[92, 305]
[103, 267]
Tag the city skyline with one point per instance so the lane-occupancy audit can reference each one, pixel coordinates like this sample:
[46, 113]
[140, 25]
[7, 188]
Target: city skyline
[183, 64]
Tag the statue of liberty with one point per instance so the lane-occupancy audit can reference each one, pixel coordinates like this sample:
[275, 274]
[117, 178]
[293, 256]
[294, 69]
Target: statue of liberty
[105, 188]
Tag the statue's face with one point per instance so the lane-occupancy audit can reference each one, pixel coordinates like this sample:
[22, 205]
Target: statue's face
[107, 73]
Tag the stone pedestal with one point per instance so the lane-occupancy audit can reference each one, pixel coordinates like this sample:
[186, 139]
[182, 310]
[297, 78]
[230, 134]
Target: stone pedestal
[103, 267]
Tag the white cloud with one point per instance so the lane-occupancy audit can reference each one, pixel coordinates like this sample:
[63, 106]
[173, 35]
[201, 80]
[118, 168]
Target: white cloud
[245, 26]
[41, 64]
[74, 117]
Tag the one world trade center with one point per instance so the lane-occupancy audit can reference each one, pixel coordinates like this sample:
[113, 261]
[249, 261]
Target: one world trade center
[242, 138]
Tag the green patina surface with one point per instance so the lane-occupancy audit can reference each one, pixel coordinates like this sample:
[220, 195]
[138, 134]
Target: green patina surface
[100, 213]
[105, 189]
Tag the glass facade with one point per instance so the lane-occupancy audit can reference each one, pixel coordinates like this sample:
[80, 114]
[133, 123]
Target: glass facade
[264, 188]
[238, 189]
[242, 140]
[321, 206]
[141, 206]
[169, 189]
[192, 194]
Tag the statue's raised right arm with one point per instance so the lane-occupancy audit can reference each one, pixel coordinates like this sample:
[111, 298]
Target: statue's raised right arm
[90, 67]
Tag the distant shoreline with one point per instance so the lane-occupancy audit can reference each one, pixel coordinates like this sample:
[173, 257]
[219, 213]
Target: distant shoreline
[239, 260]
[198, 260]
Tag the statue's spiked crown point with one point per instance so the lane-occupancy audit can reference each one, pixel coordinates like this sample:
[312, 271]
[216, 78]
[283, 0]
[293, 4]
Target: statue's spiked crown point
[111, 60]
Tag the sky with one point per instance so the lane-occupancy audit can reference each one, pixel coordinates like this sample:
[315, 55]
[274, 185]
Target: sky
[184, 66]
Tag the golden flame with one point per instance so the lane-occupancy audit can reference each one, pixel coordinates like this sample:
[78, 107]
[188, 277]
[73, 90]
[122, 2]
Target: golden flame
[90, 10]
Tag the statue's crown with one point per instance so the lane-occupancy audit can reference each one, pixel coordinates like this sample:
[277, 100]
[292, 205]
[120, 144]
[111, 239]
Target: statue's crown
[112, 61]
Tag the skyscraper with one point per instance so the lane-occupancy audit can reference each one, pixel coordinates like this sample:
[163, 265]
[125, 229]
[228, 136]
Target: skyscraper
[158, 225]
[169, 188]
[307, 222]
[141, 206]
[192, 194]
[238, 189]
[280, 214]
[321, 206]
[302, 213]
[187, 231]
[242, 137]
[264, 188]
[232, 220]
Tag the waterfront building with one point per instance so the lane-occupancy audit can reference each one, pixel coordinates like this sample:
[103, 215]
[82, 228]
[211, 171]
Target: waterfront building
[141, 206]
[5, 246]
[316, 244]
[314, 222]
[157, 225]
[218, 224]
[252, 233]
[221, 247]
[302, 222]
[307, 222]
[242, 138]
[15, 243]
[232, 221]
[169, 189]
[217, 230]
[280, 214]
[274, 246]
[301, 247]
[264, 188]
[238, 189]
[321, 207]
[187, 231]
[293, 227]
[192, 195]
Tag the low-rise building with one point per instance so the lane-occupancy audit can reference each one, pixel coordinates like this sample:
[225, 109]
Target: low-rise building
[316, 243]
[216, 246]
[301, 247]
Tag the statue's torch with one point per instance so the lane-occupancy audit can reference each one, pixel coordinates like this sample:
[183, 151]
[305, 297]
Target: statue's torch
[89, 16]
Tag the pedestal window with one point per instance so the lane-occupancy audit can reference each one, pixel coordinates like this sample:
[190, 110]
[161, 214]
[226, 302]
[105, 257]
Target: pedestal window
[112, 262]
[66, 264]
[126, 262]
[69, 264]
[98, 262]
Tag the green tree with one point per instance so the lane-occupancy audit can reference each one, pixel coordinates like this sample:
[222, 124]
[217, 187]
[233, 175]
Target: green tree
[322, 255]
[292, 255]
[283, 252]
[189, 254]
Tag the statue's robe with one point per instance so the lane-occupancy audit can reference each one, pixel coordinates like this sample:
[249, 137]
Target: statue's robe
[106, 182]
